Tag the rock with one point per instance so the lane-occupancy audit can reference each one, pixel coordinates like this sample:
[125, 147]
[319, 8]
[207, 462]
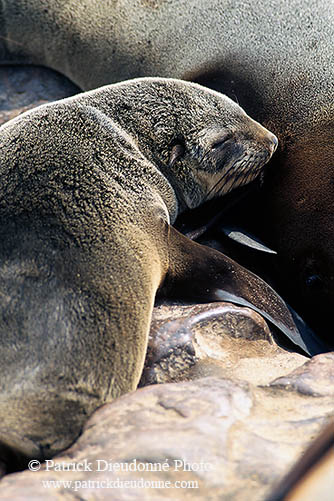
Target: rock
[232, 440]
[217, 339]
[153, 425]
[315, 378]
[312, 476]
[24, 87]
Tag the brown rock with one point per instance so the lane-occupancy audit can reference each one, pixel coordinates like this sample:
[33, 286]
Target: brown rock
[186, 424]
[314, 378]
[233, 441]
[217, 339]
[312, 477]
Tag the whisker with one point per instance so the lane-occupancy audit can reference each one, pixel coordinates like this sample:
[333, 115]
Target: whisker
[240, 174]
[14, 42]
[214, 186]
[254, 171]
[222, 178]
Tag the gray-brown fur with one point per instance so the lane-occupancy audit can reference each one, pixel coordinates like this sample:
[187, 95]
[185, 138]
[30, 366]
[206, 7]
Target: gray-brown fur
[88, 187]
[271, 46]
[275, 57]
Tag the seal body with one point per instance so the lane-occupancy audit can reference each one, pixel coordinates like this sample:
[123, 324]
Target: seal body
[275, 59]
[89, 187]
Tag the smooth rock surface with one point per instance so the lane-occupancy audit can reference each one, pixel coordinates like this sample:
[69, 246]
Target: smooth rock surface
[217, 339]
[235, 439]
[315, 378]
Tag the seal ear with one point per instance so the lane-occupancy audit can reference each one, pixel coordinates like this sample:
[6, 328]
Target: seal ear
[197, 272]
[176, 153]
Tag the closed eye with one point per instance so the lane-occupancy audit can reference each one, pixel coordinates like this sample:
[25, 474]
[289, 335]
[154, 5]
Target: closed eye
[219, 143]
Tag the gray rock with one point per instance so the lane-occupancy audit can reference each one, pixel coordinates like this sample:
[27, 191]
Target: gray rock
[315, 378]
[232, 439]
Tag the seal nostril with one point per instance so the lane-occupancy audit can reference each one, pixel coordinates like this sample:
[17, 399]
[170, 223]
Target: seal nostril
[273, 142]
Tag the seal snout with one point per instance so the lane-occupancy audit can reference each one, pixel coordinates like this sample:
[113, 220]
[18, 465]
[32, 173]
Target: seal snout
[272, 142]
[267, 143]
[260, 139]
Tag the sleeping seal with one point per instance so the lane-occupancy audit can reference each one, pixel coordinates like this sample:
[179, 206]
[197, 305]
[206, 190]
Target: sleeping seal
[89, 188]
[274, 57]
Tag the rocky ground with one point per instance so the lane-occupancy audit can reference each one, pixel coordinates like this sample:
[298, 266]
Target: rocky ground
[223, 412]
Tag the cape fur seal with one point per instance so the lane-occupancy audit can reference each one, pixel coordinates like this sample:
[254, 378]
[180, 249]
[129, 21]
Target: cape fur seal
[275, 58]
[89, 186]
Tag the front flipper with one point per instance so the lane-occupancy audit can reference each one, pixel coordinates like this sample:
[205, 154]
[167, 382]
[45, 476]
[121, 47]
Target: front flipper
[246, 239]
[197, 272]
